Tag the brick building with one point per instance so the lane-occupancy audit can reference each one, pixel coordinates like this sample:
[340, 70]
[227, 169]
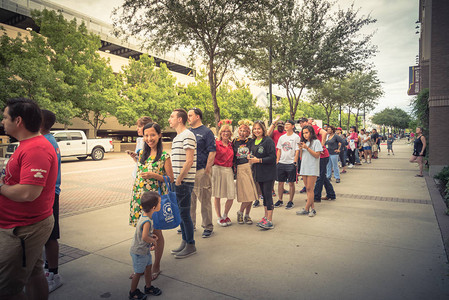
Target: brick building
[434, 63]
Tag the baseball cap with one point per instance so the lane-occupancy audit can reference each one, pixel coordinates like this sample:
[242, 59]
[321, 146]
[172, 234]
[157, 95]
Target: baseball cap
[281, 123]
[339, 128]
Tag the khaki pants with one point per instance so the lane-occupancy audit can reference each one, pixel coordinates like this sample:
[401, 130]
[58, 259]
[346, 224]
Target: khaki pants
[202, 191]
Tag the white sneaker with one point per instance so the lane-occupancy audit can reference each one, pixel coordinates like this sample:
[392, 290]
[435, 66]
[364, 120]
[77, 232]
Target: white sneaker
[312, 212]
[222, 222]
[350, 166]
[54, 281]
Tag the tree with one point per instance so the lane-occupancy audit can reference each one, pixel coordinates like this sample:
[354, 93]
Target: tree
[213, 30]
[91, 86]
[420, 108]
[394, 117]
[328, 96]
[310, 43]
[146, 90]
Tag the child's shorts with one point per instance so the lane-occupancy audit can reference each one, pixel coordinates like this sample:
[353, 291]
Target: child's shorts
[140, 262]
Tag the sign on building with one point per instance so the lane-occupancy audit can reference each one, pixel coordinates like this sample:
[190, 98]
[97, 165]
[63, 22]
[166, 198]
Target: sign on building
[413, 80]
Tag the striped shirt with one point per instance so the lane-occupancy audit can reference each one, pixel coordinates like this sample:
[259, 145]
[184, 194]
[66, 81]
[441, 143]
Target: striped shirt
[184, 140]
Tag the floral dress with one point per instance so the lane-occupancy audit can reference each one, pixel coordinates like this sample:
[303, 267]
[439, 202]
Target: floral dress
[142, 185]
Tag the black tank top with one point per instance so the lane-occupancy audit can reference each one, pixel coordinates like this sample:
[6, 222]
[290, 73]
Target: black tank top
[418, 146]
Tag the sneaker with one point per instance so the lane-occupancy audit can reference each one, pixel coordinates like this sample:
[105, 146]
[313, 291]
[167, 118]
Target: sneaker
[366, 161]
[327, 198]
[179, 230]
[137, 294]
[247, 220]
[302, 212]
[189, 250]
[330, 179]
[279, 203]
[312, 213]
[180, 248]
[222, 222]
[267, 225]
[207, 233]
[256, 203]
[286, 192]
[262, 221]
[303, 190]
[344, 171]
[350, 166]
[290, 205]
[337, 180]
[54, 281]
[240, 218]
[152, 290]
[228, 221]
[274, 194]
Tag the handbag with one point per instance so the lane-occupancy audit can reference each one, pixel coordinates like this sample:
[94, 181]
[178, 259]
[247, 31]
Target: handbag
[375, 148]
[352, 145]
[168, 217]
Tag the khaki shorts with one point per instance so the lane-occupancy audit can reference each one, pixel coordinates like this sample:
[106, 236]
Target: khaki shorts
[21, 254]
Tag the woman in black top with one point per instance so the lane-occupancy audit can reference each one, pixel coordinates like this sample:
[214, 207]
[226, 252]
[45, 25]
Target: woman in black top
[263, 158]
[419, 150]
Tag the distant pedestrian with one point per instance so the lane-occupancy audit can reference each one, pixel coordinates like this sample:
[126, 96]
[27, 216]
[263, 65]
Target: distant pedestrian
[143, 242]
[245, 185]
[27, 193]
[333, 145]
[366, 145]
[419, 150]
[376, 142]
[352, 139]
[342, 155]
[184, 169]
[139, 141]
[310, 148]
[202, 189]
[263, 158]
[222, 175]
[390, 142]
[54, 279]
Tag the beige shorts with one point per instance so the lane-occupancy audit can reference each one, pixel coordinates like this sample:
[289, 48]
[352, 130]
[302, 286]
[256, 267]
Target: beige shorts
[21, 254]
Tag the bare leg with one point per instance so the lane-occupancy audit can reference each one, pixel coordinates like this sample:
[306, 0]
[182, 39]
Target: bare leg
[248, 207]
[280, 190]
[159, 250]
[268, 214]
[37, 287]
[228, 206]
[292, 190]
[420, 164]
[217, 207]
[135, 281]
[309, 181]
[148, 276]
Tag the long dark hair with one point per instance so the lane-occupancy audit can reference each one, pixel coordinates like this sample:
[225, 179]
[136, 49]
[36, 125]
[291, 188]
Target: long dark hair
[146, 149]
[312, 134]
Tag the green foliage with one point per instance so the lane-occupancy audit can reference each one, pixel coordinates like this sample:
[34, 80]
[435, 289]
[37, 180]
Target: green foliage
[310, 42]
[443, 176]
[146, 90]
[395, 117]
[420, 109]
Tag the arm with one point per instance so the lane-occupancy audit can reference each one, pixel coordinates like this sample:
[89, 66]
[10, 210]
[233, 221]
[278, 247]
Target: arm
[278, 155]
[145, 234]
[315, 154]
[186, 167]
[169, 169]
[271, 128]
[210, 162]
[323, 134]
[424, 144]
[296, 156]
[21, 192]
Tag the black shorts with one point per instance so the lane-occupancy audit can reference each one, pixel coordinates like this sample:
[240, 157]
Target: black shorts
[286, 172]
[55, 233]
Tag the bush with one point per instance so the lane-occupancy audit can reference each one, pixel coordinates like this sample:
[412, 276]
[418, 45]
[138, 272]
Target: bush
[443, 176]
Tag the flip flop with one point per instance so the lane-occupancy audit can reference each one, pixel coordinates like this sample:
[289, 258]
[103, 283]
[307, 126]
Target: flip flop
[155, 275]
[417, 175]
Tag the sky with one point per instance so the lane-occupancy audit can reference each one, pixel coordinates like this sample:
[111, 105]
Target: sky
[394, 36]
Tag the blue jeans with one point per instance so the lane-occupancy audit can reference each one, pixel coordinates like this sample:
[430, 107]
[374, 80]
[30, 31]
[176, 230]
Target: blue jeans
[357, 156]
[323, 180]
[183, 195]
[333, 164]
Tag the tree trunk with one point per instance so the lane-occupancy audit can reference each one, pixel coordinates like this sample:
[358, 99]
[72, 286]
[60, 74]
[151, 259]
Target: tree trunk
[213, 91]
[349, 118]
[357, 119]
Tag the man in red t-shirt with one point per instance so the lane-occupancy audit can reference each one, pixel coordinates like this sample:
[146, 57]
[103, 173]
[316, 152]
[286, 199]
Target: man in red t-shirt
[321, 134]
[276, 134]
[26, 198]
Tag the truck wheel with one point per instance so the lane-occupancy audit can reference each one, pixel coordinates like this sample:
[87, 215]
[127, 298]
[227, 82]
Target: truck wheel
[97, 154]
[82, 157]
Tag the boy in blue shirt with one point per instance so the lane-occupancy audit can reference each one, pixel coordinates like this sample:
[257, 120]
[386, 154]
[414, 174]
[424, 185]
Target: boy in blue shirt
[144, 240]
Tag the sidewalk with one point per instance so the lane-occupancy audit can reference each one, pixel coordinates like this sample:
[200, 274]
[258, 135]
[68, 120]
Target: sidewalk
[378, 240]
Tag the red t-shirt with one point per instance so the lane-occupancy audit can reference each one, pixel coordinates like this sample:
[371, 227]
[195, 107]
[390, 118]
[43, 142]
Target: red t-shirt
[276, 135]
[324, 153]
[225, 154]
[34, 162]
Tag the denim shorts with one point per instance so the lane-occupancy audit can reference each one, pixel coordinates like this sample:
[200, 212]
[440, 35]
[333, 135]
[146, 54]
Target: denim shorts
[140, 262]
[367, 148]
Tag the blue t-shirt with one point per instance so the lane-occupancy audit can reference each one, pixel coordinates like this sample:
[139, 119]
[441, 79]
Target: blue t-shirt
[52, 140]
[205, 143]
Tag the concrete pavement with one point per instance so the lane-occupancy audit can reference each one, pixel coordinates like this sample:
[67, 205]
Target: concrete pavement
[378, 240]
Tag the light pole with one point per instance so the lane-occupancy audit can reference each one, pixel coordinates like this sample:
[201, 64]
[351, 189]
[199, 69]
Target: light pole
[270, 91]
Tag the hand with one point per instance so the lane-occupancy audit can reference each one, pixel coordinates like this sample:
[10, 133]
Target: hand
[132, 154]
[337, 151]
[207, 170]
[278, 117]
[252, 159]
[178, 182]
[148, 175]
[153, 236]
[421, 154]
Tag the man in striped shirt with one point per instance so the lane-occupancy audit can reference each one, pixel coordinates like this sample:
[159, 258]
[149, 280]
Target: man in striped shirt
[183, 157]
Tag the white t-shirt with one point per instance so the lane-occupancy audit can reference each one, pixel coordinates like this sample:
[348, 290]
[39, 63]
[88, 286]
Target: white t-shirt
[184, 140]
[362, 138]
[139, 147]
[310, 165]
[288, 145]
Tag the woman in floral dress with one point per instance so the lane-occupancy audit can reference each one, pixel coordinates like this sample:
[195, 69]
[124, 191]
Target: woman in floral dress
[152, 165]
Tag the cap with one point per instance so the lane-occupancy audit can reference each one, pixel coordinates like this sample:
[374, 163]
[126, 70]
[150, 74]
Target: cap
[339, 128]
[281, 123]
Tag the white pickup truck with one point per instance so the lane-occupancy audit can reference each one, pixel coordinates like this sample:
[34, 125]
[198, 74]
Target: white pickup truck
[74, 143]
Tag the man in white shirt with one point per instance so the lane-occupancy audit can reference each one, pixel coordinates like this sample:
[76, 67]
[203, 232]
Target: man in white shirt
[183, 157]
[286, 157]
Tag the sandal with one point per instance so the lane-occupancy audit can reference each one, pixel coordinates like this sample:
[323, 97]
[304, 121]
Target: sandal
[155, 275]
[417, 175]
[152, 290]
[137, 294]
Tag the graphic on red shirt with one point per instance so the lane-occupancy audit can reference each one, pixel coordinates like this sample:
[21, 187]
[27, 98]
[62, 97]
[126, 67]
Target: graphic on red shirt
[34, 163]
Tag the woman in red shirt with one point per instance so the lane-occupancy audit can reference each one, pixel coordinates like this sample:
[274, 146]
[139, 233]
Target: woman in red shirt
[222, 175]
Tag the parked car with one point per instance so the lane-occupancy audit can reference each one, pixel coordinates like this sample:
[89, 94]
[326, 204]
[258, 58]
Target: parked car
[74, 143]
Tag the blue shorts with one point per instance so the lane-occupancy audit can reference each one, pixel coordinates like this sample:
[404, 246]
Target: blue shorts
[140, 262]
[367, 148]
